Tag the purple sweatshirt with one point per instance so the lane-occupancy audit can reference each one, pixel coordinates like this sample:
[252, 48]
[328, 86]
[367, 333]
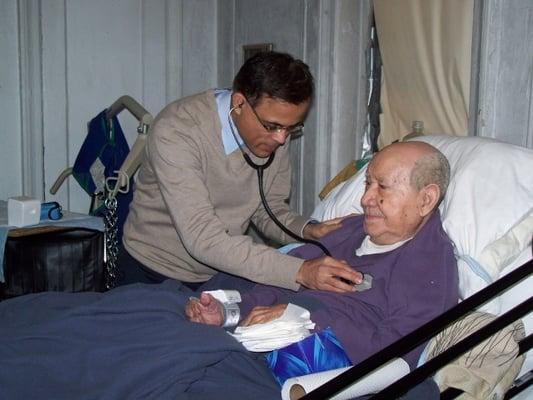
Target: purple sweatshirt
[411, 285]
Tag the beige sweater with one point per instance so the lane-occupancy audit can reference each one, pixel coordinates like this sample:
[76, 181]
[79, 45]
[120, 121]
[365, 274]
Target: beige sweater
[192, 202]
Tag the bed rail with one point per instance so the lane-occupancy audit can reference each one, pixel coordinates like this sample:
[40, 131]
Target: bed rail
[428, 330]
[431, 366]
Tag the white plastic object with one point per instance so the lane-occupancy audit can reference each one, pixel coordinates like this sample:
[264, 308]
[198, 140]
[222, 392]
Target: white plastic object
[225, 296]
[23, 211]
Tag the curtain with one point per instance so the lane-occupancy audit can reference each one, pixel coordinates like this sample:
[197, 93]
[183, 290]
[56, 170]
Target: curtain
[426, 51]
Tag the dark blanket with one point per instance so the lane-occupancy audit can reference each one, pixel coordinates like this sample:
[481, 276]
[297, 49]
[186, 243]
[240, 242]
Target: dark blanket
[131, 342]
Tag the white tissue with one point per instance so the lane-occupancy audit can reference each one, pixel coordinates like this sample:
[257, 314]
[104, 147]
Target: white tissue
[292, 326]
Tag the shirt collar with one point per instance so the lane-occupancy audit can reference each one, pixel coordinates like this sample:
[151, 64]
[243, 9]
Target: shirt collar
[369, 247]
[223, 100]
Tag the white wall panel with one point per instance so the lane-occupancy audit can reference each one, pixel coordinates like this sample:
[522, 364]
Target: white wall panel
[31, 97]
[506, 67]
[199, 46]
[153, 60]
[10, 126]
[55, 102]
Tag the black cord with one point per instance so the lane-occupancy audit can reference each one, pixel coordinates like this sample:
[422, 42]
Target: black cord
[277, 222]
[259, 169]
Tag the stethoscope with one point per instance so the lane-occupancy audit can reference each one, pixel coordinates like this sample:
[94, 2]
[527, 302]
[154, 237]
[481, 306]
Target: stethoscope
[260, 168]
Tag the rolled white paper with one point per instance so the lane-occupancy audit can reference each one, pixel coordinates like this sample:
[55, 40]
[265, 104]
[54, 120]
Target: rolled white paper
[295, 388]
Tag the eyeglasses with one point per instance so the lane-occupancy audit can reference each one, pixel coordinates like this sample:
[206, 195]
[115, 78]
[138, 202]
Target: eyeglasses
[272, 127]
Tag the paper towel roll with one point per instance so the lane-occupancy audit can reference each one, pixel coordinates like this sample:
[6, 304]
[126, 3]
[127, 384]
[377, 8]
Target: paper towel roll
[295, 388]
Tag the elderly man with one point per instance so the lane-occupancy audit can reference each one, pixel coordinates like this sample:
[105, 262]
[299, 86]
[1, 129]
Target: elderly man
[399, 241]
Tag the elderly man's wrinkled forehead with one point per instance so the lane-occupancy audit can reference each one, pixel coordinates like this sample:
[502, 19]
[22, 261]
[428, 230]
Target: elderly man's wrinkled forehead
[390, 167]
[395, 162]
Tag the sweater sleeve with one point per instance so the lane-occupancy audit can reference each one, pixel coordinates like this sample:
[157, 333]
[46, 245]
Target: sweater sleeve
[262, 295]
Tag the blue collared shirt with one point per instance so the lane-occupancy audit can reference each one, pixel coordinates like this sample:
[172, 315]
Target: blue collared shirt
[223, 100]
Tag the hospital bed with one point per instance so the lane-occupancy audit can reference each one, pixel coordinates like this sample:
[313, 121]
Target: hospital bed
[488, 214]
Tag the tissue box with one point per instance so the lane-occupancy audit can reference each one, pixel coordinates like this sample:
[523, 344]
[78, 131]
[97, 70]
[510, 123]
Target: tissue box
[23, 211]
[316, 353]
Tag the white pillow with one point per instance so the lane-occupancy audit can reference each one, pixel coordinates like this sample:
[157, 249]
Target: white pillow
[487, 211]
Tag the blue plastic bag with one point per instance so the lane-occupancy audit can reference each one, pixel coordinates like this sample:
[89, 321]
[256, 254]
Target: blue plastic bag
[319, 352]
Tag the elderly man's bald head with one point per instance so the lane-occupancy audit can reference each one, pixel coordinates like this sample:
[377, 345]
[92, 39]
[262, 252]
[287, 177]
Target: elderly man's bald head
[405, 183]
[429, 165]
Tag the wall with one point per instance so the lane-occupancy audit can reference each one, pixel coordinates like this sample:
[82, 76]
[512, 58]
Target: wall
[330, 36]
[10, 139]
[63, 61]
[505, 108]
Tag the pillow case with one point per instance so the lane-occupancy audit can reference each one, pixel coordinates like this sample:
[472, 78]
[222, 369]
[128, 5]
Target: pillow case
[487, 211]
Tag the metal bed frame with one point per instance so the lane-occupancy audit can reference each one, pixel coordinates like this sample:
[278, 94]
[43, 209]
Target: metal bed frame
[428, 330]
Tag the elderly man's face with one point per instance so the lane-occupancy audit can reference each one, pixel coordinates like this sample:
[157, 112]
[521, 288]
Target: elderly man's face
[390, 204]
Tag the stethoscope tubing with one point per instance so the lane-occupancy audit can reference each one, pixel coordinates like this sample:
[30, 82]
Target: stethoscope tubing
[260, 168]
[278, 222]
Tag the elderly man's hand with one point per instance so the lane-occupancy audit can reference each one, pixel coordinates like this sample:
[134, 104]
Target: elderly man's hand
[205, 310]
[327, 273]
[316, 231]
[262, 314]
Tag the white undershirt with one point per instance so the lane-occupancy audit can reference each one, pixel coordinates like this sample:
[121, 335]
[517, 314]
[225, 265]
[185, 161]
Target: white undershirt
[369, 247]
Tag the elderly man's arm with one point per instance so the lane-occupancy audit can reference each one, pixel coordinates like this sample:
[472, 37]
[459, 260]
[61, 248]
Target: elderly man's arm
[261, 304]
[316, 230]
[263, 314]
[207, 310]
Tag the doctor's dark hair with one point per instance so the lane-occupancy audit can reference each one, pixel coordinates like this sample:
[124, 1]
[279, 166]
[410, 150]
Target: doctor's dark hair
[276, 75]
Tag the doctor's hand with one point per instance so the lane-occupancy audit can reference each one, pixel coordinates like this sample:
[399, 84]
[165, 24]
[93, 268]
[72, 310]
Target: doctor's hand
[327, 273]
[205, 310]
[262, 314]
[317, 230]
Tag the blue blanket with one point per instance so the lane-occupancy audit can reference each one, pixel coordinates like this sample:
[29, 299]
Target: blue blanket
[131, 342]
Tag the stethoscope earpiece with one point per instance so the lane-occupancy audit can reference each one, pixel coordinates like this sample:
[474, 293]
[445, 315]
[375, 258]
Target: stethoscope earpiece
[236, 108]
[247, 158]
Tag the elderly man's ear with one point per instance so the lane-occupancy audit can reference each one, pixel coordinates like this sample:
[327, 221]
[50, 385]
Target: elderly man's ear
[428, 198]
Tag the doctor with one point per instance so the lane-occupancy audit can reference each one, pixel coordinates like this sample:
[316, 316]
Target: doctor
[196, 195]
